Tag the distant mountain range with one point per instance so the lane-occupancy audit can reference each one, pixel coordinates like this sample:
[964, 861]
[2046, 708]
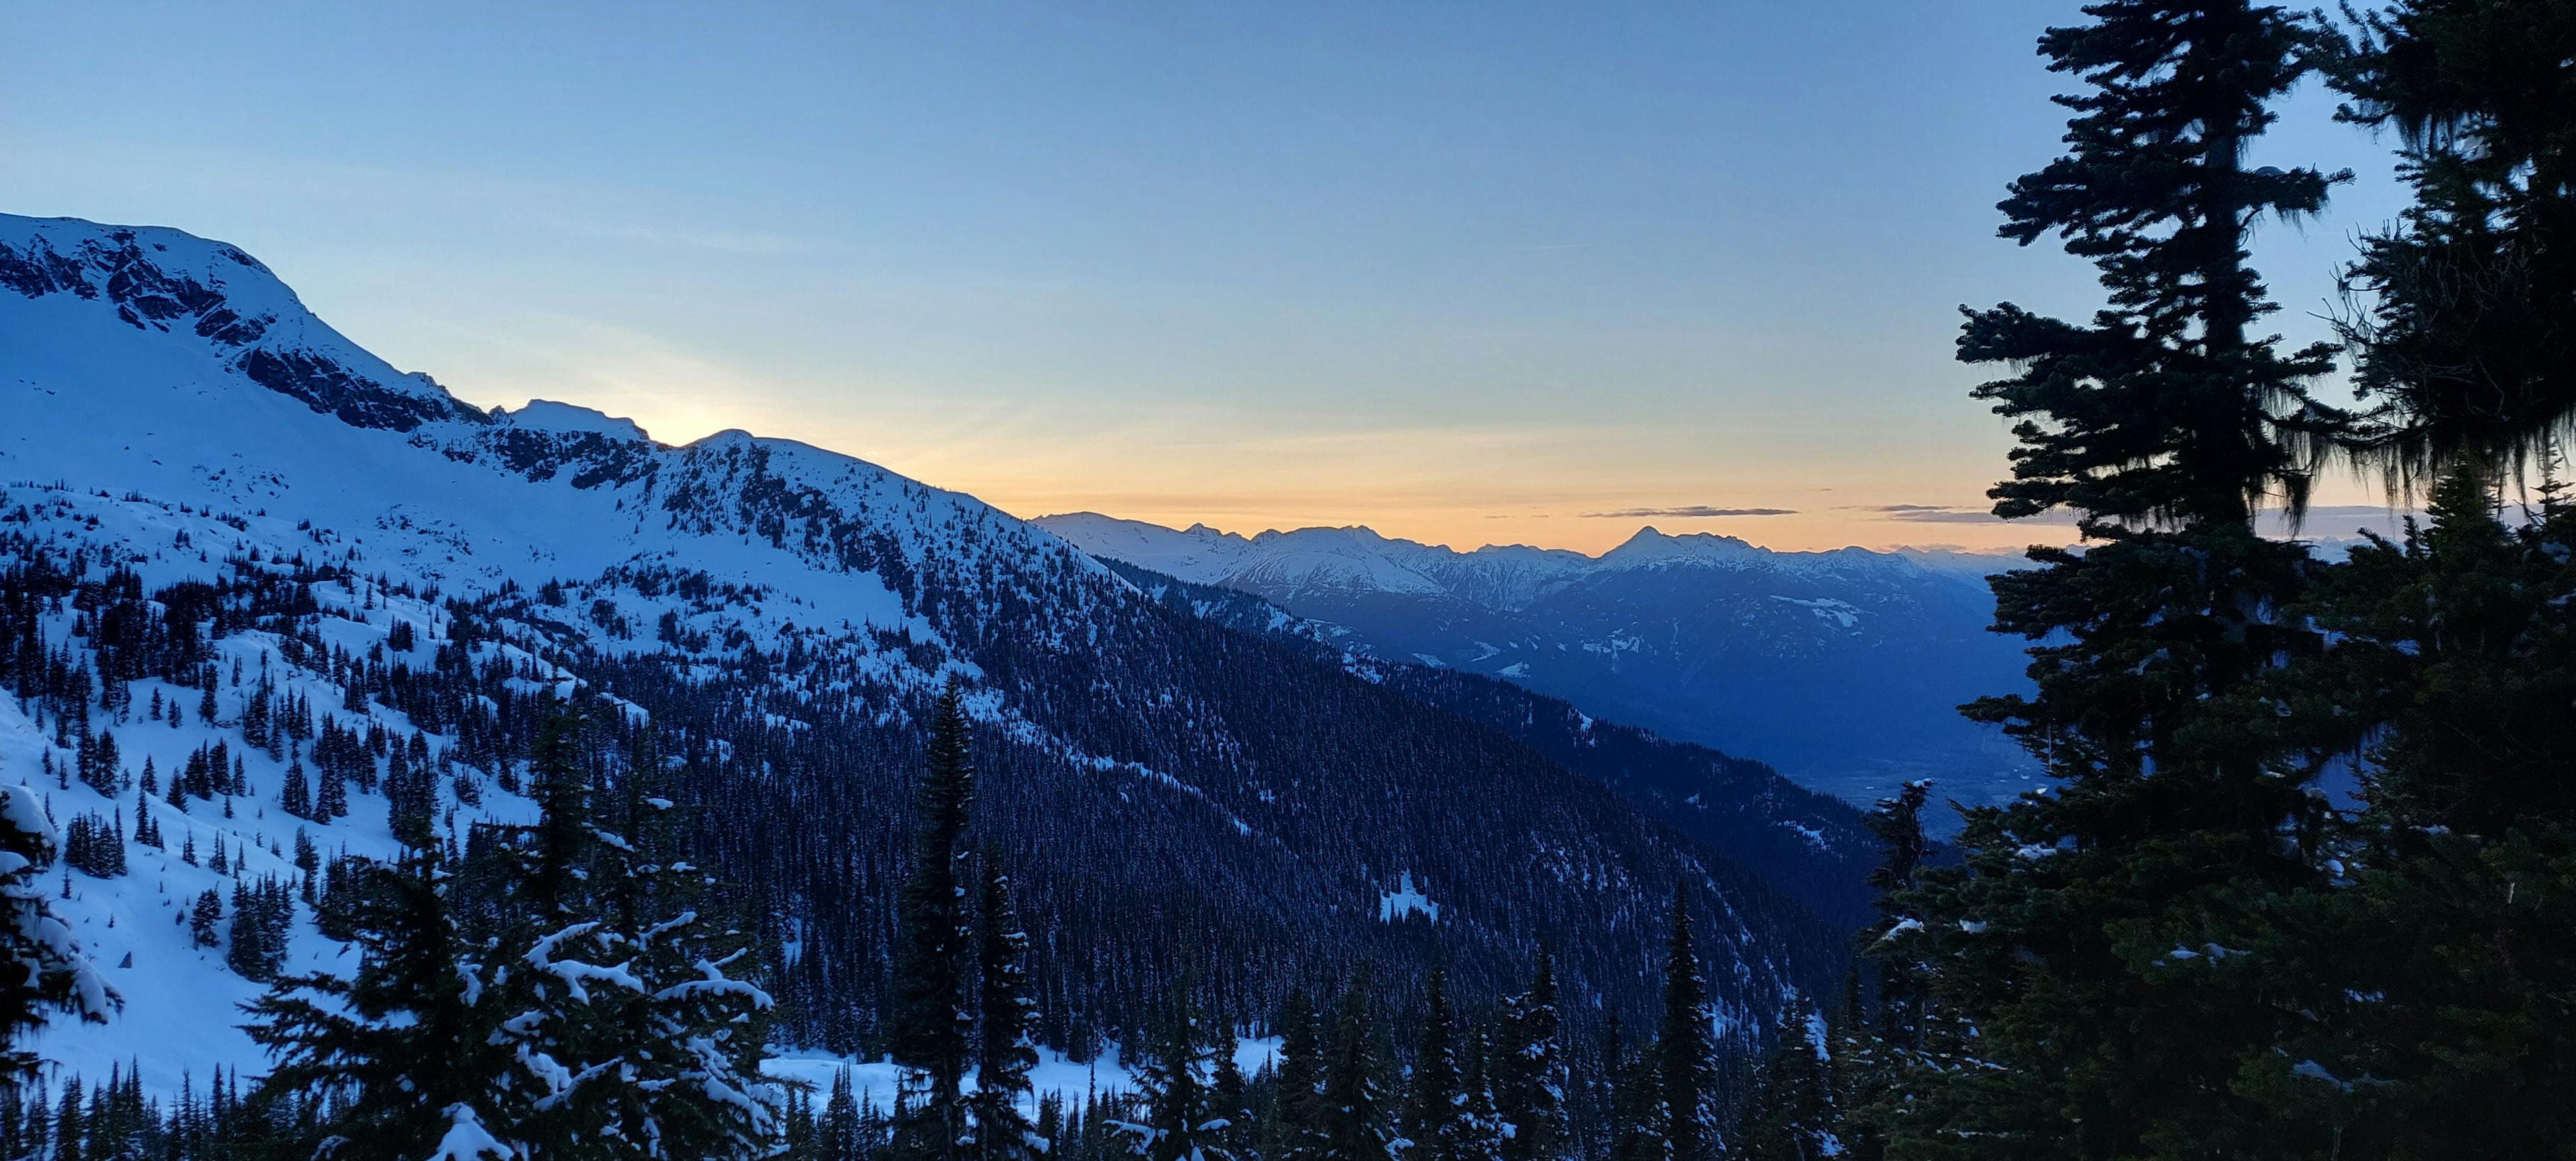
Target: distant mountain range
[1842, 669]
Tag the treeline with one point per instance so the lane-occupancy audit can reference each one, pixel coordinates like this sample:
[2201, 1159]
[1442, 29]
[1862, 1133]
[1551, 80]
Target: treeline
[2306, 887]
[568, 989]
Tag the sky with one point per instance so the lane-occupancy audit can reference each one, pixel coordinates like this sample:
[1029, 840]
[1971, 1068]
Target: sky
[1467, 273]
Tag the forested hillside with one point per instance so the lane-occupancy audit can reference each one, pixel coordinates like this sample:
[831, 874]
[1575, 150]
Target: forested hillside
[1807, 845]
[293, 638]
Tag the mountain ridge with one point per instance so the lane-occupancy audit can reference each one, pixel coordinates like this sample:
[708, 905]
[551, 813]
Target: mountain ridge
[1841, 668]
[783, 614]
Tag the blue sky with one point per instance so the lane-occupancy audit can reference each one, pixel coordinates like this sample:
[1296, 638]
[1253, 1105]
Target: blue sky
[1467, 272]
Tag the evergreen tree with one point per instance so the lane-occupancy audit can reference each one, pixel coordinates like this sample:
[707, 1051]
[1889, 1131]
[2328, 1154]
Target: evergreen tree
[1294, 1130]
[205, 918]
[1897, 823]
[296, 796]
[42, 968]
[2464, 313]
[70, 1125]
[404, 1055]
[1433, 1120]
[1180, 1122]
[1530, 1080]
[931, 1025]
[1229, 1099]
[2415, 990]
[1792, 1115]
[561, 846]
[1639, 1122]
[1004, 1049]
[333, 800]
[2162, 425]
[1358, 1124]
[1686, 1053]
[630, 1013]
[838, 1133]
[1881, 1048]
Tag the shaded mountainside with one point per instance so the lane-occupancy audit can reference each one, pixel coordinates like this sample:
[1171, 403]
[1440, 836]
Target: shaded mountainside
[284, 528]
[1808, 845]
[1842, 669]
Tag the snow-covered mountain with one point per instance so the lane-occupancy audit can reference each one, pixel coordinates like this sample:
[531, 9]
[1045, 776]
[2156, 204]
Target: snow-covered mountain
[184, 444]
[1840, 668]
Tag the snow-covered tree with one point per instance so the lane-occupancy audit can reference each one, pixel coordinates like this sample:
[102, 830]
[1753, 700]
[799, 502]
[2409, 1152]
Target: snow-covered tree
[410, 1060]
[42, 968]
[680, 1043]
[1179, 1122]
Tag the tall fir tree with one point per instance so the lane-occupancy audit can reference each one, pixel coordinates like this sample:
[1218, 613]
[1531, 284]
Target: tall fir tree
[1294, 1130]
[2463, 313]
[678, 1054]
[1433, 1117]
[1792, 1115]
[401, 1052]
[1005, 1050]
[932, 1027]
[1530, 1072]
[1359, 1120]
[1181, 1121]
[841, 1132]
[1686, 1051]
[2163, 425]
[1481, 1127]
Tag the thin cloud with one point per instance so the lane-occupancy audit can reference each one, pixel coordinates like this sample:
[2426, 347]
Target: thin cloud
[1690, 511]
[1945, 514]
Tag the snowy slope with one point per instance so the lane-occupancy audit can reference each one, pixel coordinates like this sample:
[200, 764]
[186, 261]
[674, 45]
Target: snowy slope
[168, 406]
[136, 433]
[180, 1015]
[145, 398]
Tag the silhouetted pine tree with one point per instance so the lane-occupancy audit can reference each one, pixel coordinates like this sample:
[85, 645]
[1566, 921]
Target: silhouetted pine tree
[2463, 313]
[2161, 425]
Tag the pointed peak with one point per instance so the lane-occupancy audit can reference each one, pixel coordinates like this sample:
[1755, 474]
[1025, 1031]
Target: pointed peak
[1651, 543]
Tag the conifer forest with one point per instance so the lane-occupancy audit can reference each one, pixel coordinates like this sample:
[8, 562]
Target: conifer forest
[388, 778]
